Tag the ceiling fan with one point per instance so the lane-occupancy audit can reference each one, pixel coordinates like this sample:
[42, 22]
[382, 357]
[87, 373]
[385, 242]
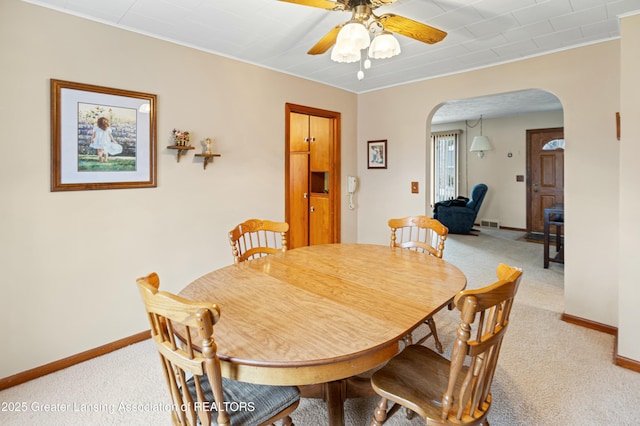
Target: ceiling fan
[363, 13]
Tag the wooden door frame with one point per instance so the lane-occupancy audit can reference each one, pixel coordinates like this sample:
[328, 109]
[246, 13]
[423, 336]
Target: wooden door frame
[529, 159]
[334, 187]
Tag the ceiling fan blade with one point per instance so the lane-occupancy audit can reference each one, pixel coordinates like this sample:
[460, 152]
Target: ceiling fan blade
[410, 28]
[321, 4]
[326, 42]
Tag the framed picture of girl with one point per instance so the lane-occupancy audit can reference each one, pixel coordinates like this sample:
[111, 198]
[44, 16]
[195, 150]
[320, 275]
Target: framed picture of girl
[101, 138]
[377, 154]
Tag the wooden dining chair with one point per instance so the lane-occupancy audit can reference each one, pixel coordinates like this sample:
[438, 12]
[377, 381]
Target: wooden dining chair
[256, 238]
[192, 368]
[420, 233]
[426, 235]
[456, 392]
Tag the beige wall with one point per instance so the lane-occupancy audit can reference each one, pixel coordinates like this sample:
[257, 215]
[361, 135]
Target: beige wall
[629, 293]
[506, 200]
[69, 259]
[587, 82]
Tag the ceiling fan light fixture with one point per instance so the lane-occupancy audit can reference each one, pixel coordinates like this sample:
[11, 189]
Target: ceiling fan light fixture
[354, 33]
[384, 45]
[345, 53]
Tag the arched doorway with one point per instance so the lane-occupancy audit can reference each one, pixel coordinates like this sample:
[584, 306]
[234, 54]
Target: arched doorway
[505, 120]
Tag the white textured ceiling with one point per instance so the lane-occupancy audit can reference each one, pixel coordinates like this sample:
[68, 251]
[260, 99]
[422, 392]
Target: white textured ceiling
[277, 35]
[500, 105]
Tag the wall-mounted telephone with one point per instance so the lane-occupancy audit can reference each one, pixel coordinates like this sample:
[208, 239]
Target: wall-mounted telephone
[352, 184]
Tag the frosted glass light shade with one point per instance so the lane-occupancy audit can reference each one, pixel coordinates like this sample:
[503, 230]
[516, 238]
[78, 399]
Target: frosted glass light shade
[384, 45]
[345, 52]
[355, 34]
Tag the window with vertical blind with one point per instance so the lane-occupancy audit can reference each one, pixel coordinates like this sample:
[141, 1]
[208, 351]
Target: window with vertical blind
[444, 164]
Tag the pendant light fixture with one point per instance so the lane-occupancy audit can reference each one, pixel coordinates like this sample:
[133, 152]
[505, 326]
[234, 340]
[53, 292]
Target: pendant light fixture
[480, 143]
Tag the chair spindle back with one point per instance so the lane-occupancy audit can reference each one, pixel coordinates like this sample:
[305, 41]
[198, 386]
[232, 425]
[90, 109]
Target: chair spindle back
[180, 360]
[256, 238]
[487, 310]
[420, 233]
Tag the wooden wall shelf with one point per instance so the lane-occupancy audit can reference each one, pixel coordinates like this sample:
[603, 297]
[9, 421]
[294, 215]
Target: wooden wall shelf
[181, 149]
[207, 158]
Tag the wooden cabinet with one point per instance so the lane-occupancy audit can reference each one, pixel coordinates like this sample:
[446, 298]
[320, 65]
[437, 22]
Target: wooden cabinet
[320, 144]
[319, 220]
[298, 132]
[312, 184]
[298, 199]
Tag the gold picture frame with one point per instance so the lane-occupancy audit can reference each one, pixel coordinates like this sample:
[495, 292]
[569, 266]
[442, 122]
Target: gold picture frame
[101, 138]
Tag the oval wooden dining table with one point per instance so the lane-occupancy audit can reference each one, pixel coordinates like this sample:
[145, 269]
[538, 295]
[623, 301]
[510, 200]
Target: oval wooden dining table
[322, 314]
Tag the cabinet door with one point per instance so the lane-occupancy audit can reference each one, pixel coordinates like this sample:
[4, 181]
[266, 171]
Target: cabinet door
[298, 199]
[312, 173]
[298, 132]
[321, 137]
[319, 220]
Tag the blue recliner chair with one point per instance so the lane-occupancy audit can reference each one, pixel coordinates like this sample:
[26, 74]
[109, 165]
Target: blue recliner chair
[460, 215]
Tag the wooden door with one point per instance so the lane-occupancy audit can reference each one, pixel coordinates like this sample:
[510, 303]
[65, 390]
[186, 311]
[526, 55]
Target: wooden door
[545, 170]
[320, 136]
[320, 131]
[298, 132]
[312, 169]
[319, 220]
[298, 200]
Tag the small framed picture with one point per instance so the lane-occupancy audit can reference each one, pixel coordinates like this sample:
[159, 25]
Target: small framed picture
[101, 138]
[377, 154]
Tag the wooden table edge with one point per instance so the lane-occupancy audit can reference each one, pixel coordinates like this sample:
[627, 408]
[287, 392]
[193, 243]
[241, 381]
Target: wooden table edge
[308, 374]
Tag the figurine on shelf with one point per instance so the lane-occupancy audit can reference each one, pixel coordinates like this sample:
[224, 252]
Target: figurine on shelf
[208, 142]
[181, 138]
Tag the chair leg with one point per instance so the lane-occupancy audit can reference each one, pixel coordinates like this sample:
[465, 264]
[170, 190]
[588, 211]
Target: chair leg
[380, 413]
[408, 340]
[432, 325]
[408, 413]
[287, 421]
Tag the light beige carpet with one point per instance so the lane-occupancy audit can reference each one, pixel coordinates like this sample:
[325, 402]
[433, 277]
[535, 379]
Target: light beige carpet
[550, 372]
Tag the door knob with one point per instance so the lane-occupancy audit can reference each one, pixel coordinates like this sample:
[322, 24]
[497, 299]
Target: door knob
[305, 195]
[313, 209]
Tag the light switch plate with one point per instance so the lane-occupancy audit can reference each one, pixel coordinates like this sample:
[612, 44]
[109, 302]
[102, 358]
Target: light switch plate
[414, 187]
